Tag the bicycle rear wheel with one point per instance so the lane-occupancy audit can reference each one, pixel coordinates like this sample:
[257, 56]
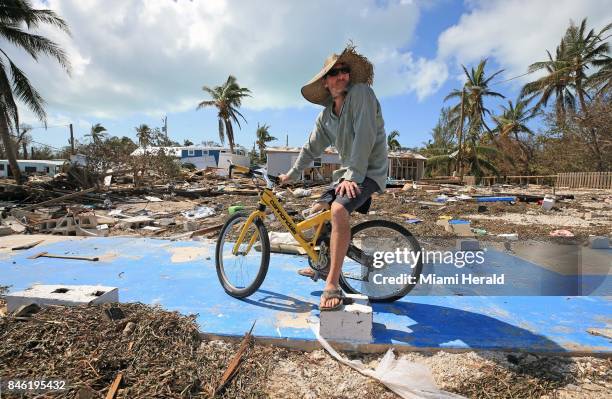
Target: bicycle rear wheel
[242, 274]
[365, 270]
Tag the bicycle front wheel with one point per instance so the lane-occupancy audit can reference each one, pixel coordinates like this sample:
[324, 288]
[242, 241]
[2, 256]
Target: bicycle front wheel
[242, 273]
[382, 261]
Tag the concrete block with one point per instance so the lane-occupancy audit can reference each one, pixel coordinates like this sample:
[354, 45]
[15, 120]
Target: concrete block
[137, 222]
[351, 323]
[66, 295]
[87, 221]
[599, 242]
[468, 244]
[5, 231]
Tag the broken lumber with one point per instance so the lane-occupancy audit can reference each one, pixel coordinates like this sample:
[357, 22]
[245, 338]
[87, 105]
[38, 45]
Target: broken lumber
[233, 365]
[48, 255]
[206, 230]
[58, 199]
[114, 386]
[27, 246]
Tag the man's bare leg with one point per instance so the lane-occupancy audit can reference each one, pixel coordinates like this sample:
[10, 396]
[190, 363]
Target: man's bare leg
[339, 242]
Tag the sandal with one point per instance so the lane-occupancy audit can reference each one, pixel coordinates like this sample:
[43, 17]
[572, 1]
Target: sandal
[332, 294]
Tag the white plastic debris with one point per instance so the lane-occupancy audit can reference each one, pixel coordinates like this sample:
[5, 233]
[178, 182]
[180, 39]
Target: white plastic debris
[277, 237]
[152, 199]
[301, 192]
[509, 237]
[115, 212]
[199, 213]
[408, 379]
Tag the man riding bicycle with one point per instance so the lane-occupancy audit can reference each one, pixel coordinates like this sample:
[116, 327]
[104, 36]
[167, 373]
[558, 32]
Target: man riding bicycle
[352, 122]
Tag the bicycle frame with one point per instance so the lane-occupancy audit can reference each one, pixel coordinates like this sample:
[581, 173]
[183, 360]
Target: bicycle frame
[267, 198]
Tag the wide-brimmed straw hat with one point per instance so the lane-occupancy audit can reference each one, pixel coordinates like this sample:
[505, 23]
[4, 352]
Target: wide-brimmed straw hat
[362, 71]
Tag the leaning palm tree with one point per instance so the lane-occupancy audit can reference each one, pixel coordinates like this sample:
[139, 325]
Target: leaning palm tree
[566, 76]
[392, 143]
[15, 15]
[97, 133]
[477, 159]
[263, 137]
[227, 98]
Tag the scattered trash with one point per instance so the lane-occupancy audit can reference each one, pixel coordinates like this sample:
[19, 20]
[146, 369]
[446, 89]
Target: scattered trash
[561, 233]
[479, 232]
[509, 236]
[199, 213]
[301, 192]
[548, 203]
[482, 208]
[152, 199]
[235, 208]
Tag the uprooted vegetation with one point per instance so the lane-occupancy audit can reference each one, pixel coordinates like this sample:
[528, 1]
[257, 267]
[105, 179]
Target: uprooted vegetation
[160, 353]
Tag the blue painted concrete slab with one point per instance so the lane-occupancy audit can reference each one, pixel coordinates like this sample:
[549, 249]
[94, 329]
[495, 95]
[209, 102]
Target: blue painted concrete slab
[181, 276]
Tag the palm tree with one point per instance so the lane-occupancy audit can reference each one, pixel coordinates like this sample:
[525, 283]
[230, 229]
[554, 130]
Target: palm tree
[263, 137]
[566, 73]
[14, 14]
[476, 158]
[392, 142]
[513, 121]
[144, 134]
[96, 133]
[471, 108]
[227, 98]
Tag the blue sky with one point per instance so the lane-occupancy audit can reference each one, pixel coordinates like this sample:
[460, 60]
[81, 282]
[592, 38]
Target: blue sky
[135, 61]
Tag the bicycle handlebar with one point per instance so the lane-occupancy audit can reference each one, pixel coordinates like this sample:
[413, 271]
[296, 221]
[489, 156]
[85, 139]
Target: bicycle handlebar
[250, 172]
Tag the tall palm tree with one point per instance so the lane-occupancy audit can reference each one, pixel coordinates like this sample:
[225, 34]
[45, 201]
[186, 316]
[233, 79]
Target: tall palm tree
[14, 84]
[513, 121]
[227, 98]
[263, 137]
[144, 134]
[471, 107]
[96, 133]
[567, 73]
[392, 143]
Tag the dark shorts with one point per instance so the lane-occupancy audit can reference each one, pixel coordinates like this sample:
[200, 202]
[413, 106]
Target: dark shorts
[361, 203]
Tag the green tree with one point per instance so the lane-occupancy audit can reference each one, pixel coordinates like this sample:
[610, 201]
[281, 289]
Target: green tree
[512, 129]
[227, 98]
[392, 143]
[471, 108]
[97, 133]
[263, 137]
[566, 73]
[144, 135]
[187, 143]
[15, 15]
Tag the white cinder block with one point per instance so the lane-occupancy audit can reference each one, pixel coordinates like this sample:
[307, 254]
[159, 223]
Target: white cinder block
[468, 244]
[351, 323]
[599, 242]
[67, 295]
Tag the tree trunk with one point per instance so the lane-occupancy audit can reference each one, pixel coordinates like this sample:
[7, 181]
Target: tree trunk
[460, 136]
[8, 148]
[229, 132]
[25, 150]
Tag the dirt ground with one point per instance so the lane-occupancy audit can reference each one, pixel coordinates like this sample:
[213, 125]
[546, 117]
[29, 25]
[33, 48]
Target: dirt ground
[588, 213]
[160, 354]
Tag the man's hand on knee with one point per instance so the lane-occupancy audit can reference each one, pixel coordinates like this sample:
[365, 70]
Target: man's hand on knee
[348, 188]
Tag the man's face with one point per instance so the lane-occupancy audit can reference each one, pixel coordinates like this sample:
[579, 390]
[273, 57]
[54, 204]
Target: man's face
[337, 79]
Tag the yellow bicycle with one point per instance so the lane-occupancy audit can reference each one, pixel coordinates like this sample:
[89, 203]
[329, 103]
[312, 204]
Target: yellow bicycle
[242, 253]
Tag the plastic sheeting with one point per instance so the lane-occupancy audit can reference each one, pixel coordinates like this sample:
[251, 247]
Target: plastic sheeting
[408, 379]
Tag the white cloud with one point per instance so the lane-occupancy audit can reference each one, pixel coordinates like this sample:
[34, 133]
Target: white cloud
[153, 56]
[517, 33]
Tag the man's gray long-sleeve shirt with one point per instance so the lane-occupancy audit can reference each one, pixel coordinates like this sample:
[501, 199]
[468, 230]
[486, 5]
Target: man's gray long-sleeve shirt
[358, 134]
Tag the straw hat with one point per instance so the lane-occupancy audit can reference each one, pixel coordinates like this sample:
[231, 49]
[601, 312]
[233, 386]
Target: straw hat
[362, 71]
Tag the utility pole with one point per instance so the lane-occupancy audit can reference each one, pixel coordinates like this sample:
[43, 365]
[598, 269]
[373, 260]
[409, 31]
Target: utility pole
[71, 140]
[287, 141]
[165, 128]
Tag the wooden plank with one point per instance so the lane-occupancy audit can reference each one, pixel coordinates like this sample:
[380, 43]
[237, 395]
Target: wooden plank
[58, 199]
[114, 386]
